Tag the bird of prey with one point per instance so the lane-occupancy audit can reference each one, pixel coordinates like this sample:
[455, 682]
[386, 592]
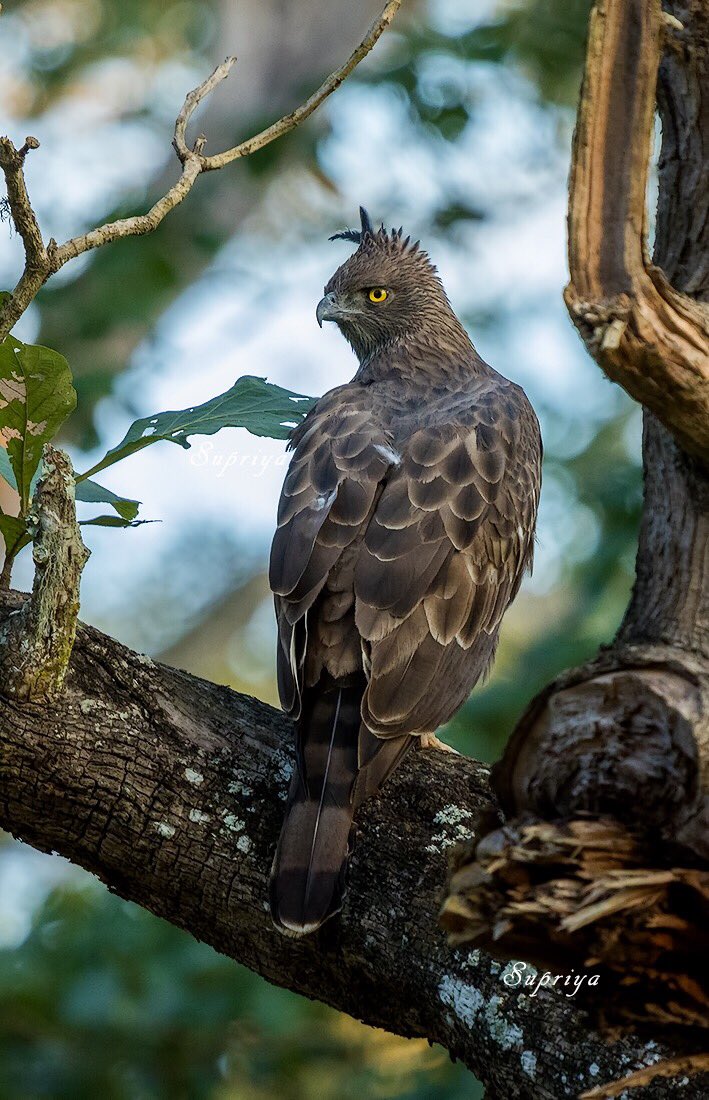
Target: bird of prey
[405, 525]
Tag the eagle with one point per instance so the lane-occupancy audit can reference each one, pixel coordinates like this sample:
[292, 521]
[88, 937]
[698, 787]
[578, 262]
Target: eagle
[405, 526]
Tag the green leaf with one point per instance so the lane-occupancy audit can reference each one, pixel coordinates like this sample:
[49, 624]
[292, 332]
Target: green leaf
[14, 532]
[114, 521]
[6, 470]
[92, 493]
[36, 396]
[253, 403]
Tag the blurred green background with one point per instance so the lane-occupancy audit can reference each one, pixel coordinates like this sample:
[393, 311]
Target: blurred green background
[458, 127]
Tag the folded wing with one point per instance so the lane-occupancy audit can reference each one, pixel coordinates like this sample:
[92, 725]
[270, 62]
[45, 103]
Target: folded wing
[340, 460]
[443, 555]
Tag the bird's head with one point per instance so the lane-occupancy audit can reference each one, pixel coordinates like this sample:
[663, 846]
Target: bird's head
[384, 291]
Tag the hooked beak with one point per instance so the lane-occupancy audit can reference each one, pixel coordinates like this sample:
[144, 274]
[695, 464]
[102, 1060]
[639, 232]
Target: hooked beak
[333, 308]
[327, 309]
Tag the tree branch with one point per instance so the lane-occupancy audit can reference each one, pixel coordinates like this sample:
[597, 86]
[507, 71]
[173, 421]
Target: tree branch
[645, 335]
[171, 790]
[42, 263]
[25, 221]
[330, 85]
[12, 161]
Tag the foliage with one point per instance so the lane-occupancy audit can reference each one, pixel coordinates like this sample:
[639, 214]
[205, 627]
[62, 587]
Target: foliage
[90, 492]
[104, 999]
[253, 403]
[36, 396]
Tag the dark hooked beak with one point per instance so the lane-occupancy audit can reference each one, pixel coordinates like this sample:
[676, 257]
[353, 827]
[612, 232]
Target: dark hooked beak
[327, 309]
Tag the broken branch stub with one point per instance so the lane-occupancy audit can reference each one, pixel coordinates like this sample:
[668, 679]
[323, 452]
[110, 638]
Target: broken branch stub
[36, 642]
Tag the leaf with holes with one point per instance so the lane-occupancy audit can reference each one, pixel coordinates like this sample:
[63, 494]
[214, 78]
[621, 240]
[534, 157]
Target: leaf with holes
[36, 396]
[253, 403]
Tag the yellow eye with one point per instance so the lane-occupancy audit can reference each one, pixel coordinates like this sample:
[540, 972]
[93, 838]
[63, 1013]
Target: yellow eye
[378, 294]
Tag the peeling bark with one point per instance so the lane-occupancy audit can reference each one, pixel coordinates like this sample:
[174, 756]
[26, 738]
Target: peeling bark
[644, 750]
[643, 332]
[628, 734]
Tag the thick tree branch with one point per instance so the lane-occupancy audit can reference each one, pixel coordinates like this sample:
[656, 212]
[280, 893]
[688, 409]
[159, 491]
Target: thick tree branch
[42, 263]
[171, 790]
[645, 335]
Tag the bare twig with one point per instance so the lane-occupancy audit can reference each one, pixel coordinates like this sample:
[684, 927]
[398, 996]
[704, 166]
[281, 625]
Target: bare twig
[11, 162]
[192, 101]
[645, 335]
[25, 221]
[289, 122]
[135, 226]
[36, 642]
[43, 262]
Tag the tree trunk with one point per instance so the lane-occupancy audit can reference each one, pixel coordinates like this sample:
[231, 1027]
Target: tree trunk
[605, 780]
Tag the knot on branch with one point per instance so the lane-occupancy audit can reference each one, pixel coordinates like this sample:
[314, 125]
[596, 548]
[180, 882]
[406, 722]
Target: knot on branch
[30, 143]
[622, 736]
[601, 323]
[36, 641]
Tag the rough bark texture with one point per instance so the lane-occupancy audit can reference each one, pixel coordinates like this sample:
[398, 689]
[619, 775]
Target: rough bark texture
[36, 643]
[643, 332]
[558, 759]
[171, 790]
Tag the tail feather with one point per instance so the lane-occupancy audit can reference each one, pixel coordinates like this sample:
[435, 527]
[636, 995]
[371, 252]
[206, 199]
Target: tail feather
[331, 779]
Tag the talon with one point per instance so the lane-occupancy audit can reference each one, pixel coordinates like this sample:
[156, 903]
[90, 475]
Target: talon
[430, 741]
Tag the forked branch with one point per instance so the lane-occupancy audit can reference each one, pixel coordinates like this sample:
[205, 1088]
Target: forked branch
[41, 261]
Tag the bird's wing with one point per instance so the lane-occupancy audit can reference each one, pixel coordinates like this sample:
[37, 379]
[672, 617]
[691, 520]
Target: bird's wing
[443, 555]
[340, 458]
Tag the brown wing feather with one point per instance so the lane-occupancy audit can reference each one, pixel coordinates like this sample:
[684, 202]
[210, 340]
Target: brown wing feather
[443, 556]
[341, 454]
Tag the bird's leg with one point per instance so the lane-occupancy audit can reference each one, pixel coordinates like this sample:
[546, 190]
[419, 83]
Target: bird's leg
[430, 741]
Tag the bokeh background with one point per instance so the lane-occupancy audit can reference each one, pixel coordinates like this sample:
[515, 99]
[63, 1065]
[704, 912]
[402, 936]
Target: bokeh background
[458, 127]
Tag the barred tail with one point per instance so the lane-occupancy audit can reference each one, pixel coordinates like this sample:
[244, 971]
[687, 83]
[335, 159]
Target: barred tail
[311, 858]
[339, 764]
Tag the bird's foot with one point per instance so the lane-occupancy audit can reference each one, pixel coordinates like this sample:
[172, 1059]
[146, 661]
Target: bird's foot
[430, 741]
